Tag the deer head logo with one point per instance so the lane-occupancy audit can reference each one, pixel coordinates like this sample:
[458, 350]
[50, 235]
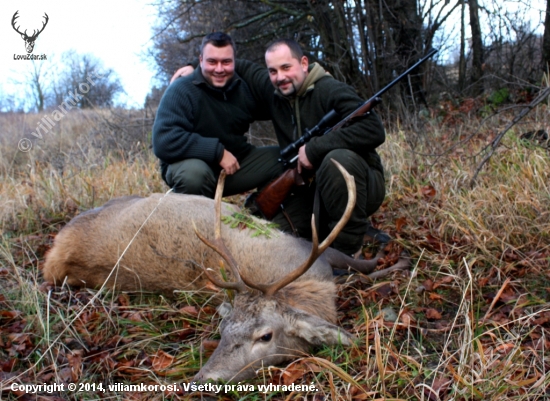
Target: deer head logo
[29, 40]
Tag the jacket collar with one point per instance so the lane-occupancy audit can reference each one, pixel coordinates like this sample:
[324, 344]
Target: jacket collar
[315, 73]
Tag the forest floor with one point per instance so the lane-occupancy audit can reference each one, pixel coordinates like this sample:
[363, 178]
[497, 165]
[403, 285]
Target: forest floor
[471, 318]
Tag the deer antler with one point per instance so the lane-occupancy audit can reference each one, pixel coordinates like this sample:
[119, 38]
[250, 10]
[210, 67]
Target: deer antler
[34, 35]
[317, 250]
[15, 16]
[218, 245]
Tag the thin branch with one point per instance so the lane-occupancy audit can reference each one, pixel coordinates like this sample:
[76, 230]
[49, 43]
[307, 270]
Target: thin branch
[253, 19]
[270, 33]
[495, 143]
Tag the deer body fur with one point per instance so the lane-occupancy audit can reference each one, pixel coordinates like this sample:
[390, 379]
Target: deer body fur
[166, 255]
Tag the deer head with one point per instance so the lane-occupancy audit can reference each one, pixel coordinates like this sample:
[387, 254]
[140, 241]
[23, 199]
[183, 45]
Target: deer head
[29, 40]
[267, 324]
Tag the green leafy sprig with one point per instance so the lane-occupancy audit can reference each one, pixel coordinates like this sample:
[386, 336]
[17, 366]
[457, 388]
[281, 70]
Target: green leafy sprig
[243, 220]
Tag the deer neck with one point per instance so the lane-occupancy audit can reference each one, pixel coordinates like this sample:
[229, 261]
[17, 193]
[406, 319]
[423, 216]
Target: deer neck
[311, 296]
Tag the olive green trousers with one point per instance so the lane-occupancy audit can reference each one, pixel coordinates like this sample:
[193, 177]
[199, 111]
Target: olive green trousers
[333, 199]
[195, 177]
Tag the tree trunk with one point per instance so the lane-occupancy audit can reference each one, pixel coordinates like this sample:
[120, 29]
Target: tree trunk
[546, 40]
[336, 40]
[409, 46]
[37, 86]
[477, 49]
[462, 57]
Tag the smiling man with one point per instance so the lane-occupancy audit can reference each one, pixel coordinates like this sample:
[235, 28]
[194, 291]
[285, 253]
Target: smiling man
[304, 93]
[200, 125]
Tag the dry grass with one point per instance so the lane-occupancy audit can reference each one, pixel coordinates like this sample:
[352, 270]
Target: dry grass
[472, 317]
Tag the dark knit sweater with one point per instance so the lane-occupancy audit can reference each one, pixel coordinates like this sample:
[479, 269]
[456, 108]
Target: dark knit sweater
[362, 136]
[196, 120]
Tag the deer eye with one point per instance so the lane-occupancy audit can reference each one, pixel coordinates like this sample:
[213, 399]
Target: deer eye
[266, 337]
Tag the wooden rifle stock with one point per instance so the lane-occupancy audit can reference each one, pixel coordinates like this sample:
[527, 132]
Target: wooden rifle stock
[272, 196]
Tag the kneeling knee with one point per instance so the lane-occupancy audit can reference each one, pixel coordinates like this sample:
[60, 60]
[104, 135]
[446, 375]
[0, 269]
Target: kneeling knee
[347, 158]
[193, 180]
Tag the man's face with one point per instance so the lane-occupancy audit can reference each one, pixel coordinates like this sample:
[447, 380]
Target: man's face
[217, 64]
[287, 74]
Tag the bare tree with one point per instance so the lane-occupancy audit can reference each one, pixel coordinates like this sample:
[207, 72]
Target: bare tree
[477, 49]
[37, 85]
[462, 56]
[366, 43]
[86, 80]
[513, 49]
[546, 40]
[363, 43]
[34, 88]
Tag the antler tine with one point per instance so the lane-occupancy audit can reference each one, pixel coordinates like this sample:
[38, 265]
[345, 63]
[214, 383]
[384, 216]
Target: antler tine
[218, 245]
[34, 33]
[15, 16]
[316, 249]
[45, 22]
[352, 196]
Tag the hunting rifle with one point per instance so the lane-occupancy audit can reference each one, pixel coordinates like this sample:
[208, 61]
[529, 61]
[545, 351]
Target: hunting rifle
[270, 198]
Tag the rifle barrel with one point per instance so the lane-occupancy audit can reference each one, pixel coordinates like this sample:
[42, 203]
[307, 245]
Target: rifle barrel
[395, 81]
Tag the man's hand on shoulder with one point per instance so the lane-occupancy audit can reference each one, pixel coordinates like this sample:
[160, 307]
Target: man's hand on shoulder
[229, 163]
[182, 72]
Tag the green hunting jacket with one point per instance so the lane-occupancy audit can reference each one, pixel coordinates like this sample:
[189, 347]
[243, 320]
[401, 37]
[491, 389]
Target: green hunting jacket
[198, 121]
[291, 116]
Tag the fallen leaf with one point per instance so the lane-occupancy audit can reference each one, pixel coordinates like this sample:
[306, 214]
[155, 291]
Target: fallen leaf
[123, 300]
[75, 363]
[7, 365]
[361, 393]
[504, 348]
[211, 286]
[190, 310]
[438, 388]
[400, 223]
[428, 192]
[125, 364]
[384, 290]
[65, 375]
[543, 319]
[432, 314]
[406, 319]
[293, 372]
[428, 285]
[161, 360]
[443, 281]
[482, 282]
[539, 345]
[9, 314]
[135, 316]
[435, 297]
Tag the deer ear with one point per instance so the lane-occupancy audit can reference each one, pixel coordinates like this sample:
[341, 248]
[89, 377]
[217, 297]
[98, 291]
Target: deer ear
[224, 309]
[314, 330]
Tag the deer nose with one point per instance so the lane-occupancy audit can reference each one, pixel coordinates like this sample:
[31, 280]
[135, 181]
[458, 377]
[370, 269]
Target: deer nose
[199, 377]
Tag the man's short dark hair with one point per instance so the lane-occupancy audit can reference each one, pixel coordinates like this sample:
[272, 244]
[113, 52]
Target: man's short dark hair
[295, 49]
[218, 39]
